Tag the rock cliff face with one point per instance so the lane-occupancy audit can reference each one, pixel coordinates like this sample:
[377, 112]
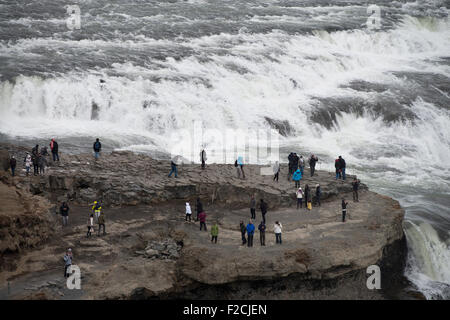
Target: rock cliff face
[151, 252]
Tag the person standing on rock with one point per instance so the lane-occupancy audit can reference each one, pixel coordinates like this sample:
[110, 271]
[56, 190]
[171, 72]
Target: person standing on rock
[203, 158]
[355, 187]
[188, 212]
[344, 209]
[35, 160]
[240, 162]
[67, 262]
[301, 164]
[243, 231]
[13, 163]
[35, 150]
[173, 169]
[90, 225]
[299, 194]
[101, 223]
[214, 232]
[263, 207]
[202, 218]
[97, 209]
[262, 233]
[97, 148]
[312, 163]
[28, 161]
[291, 165]
[295, 162]
[307, 197]
[297, 176]
[277, 227]
[54, 150]
[42, 164]
[253, 207]
[318, 194]
[198, 208]
[250, 233]
[64, 211]
[342, 165]
[337, 166]
[276, 171]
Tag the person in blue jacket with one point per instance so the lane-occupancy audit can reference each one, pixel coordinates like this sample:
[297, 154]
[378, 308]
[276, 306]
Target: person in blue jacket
[250, 232]
[297, 176]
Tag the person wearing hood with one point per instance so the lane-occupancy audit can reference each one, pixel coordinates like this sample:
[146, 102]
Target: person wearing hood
[297, 176]
[243, 231]
[54, 150]
[203, 158]
[276, 171]
[299, 194]
[214, 232]
[28, 161]
[13, 163]
[188, 212]
[250, 232]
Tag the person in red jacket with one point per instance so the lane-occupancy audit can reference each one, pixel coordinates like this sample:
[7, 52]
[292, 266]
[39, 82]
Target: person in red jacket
[202, 218]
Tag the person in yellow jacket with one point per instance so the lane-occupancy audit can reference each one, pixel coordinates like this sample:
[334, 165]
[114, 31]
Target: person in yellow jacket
[97, 209]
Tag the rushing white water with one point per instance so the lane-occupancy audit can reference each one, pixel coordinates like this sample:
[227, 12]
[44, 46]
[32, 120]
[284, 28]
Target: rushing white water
[394, 134]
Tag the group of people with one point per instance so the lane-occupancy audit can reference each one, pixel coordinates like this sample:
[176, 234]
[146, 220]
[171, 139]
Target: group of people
[297, 165]
[306, 197]
[249, 230]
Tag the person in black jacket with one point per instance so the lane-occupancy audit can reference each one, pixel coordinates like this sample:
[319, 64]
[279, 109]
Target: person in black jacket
[263, 207]
[54, 149]
[337, 166]
[344, 209]
[198, 208]
[262, 233]
[13, 163]
[97, 148]
[243, 229]
[64, 211]
[342, 166]
[312, 163]
[318, 194]
[355, 187]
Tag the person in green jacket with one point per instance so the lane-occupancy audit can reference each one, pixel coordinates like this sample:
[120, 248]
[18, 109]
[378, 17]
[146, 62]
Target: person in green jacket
[214, 232]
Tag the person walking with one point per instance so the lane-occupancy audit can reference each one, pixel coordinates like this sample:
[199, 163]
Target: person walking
[262, 233]
[12, 164]
[276, 171]
[297, 176]
[54, 150]
[263, 206]
[318, 194]
[253, 207]
[203, 158]
[240, 162]
[188, 212]
[68, 257]
[173, 167]
[214, 232]
[342, 166]
[355, 187]
[97, 148]
[202, 218]
[344, 209]
[243, 231]
[250, 233]
[337, 166]
[101, 223]
[299, 194]
[64, 211]
[277, 227]
[28, 161]
[198, 208]
[312, 163]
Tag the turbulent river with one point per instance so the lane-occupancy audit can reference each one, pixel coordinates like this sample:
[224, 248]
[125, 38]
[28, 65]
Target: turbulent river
[136, 72]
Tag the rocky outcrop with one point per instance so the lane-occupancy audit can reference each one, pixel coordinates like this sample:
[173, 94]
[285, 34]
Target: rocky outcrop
[151, 252]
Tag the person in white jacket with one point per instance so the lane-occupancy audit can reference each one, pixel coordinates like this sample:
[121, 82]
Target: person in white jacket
[299, 194]
[188, 212]
[28, 163]
[277, 230]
